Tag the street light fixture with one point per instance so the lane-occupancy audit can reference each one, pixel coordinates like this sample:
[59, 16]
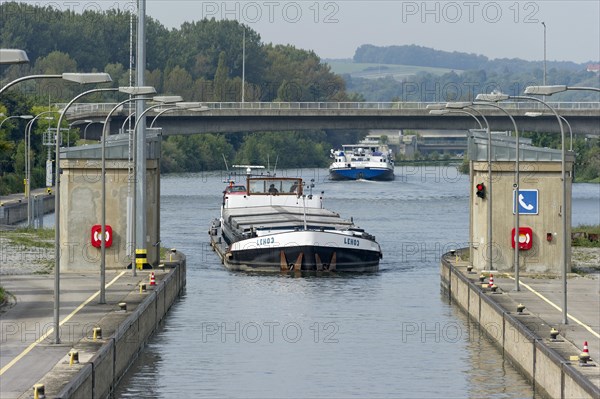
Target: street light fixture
[135, 91]
[469, 105]
[534, 114]
[28, 162]
[516, 191]
[495, 97]
[89, 122]
[446, 111]
[160, 99]
[550, 90]
[25, 117]
[81, 78]
[57, 211]
[13, 56]
[190, 106]
[455, 111]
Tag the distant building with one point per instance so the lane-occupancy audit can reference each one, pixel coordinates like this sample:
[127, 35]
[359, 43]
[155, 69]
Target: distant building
[593, 68]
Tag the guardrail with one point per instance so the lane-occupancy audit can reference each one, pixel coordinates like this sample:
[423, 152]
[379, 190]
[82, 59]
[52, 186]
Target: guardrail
[515, 105]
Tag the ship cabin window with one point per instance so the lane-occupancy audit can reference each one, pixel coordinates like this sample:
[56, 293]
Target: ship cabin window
[236, 189]
[272, 186]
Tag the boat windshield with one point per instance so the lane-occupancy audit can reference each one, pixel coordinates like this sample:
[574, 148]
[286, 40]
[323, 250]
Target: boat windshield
[236, 189]
[272, 186]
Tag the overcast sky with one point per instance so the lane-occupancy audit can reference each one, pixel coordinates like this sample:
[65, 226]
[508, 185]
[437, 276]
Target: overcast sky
[334, 29]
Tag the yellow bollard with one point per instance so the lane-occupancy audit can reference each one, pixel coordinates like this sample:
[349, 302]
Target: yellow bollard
[73, 357]
[97, 333]
[142, 288]
[39, 391]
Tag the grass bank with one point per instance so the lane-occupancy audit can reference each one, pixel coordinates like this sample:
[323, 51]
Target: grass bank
[586, 236]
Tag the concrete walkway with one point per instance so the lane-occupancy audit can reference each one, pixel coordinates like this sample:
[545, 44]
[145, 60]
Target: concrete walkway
[27, 351]
[543, 301]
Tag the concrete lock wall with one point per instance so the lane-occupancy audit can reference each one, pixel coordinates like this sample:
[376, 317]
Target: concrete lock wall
[16, 212]
[528, 352]
[101, 374]
[81, 208]
[545, 254]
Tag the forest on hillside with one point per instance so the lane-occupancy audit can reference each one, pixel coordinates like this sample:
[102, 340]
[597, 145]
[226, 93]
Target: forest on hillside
[200, 61]
[471, 74]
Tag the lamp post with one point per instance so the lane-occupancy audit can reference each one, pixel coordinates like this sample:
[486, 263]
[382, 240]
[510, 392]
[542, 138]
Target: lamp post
[192, 106]
[533, 114]
[89, 122]
[544, 24]
[25, 117]
[134, 91]
[57, 211]
[81, 78]
[445, 111]
[516, 191]
[468, 105]
[28, 163]
[549, 90]
[139, 203]
[495, 97]
[455, 111]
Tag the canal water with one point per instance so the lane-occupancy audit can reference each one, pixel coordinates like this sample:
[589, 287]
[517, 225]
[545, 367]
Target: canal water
[380, 335]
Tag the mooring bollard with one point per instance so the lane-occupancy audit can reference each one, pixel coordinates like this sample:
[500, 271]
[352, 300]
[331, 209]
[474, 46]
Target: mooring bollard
[73, 357]
[39, 391]
[553, 333]
[142, 288]
[520, 308]
[123, 306]
[97, 333]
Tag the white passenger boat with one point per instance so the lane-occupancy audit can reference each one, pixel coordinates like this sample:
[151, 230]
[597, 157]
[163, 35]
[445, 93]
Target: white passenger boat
[271, 224]
[362, 161]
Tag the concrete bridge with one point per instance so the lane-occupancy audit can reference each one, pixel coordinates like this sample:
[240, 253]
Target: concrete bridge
[223, 117]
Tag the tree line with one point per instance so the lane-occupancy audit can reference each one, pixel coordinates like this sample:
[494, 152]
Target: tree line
[200, 61]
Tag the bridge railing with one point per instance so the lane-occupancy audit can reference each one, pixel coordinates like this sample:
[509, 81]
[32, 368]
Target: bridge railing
[104, 108]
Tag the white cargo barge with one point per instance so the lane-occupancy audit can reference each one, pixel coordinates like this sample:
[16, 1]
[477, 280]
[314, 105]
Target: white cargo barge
[270, 224]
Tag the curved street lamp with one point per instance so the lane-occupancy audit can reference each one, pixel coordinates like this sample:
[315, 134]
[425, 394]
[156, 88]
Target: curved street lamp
[81, 78]
[469, 105]
[445, 111]
[28, 162]
[134, 91]
[516, 190]
[192, 106]
[550, 90]
[25, 117]
[496, 97]
[535, 114]
[455, 111]
[57, 212]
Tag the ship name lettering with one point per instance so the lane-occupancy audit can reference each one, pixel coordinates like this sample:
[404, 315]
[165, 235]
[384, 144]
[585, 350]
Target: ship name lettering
[351, 241]
[265, 241]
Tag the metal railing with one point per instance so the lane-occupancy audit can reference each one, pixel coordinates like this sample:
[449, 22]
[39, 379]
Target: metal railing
[516, 105]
